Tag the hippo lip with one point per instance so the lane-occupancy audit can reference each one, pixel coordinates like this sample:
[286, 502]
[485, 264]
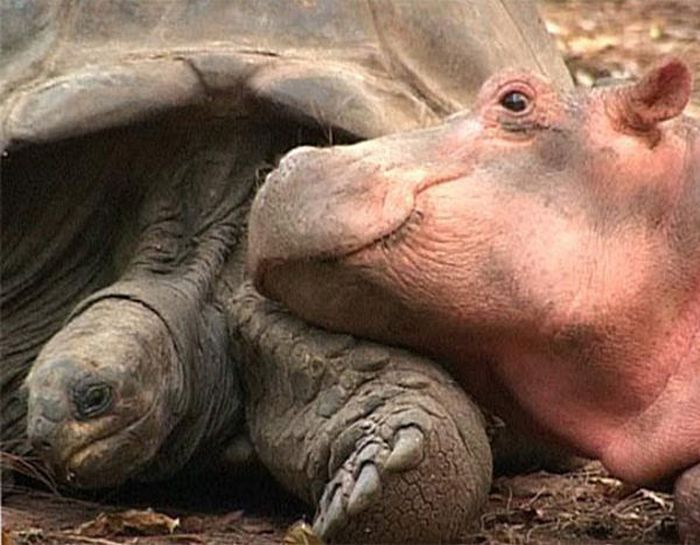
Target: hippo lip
[385, 242]
[260, 267]
[346, 223]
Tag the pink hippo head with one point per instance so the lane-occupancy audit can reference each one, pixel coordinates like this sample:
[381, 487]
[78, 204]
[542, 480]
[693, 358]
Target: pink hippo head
[545, 247]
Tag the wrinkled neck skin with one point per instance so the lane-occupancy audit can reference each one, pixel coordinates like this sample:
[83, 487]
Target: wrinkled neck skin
[179, 282]
[158, 335]
[208, 399]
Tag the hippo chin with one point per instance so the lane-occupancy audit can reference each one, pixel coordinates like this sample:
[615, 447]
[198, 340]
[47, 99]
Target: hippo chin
[546, 247]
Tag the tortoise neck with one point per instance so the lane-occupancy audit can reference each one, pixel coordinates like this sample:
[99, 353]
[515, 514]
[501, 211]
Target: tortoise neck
[191, 221]
[206, 404]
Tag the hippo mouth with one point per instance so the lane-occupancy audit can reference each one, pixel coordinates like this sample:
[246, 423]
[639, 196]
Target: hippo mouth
[308, 217]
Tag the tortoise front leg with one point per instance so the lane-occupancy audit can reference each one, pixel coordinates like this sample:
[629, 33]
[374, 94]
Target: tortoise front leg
[386, 445]
[687, 500]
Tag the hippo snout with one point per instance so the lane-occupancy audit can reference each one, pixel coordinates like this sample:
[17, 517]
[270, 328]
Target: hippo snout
[325, 203]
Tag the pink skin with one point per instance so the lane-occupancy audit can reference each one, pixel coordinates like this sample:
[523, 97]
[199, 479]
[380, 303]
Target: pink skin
[550, 257]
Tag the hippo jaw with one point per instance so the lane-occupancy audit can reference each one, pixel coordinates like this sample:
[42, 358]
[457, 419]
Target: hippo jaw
[98, 396]
[497, 244]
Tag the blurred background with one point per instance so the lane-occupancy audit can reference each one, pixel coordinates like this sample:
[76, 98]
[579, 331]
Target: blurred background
[619, 38]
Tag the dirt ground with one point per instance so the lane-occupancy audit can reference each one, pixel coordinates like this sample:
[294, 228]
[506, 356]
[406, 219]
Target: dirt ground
[584, 506]
[619, 38]
[599, 38]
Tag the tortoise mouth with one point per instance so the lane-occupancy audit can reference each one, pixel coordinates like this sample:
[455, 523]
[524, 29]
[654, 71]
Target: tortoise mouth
[110, 458]
[86, 468]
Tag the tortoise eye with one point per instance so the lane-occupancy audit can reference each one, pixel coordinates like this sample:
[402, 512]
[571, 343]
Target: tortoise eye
[515, 101]
[93, 400]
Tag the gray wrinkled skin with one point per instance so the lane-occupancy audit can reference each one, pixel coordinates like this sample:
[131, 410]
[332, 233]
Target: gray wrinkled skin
[354, 423]
[135, 135]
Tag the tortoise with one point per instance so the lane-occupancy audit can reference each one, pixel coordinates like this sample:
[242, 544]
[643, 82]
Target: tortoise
[135, 135]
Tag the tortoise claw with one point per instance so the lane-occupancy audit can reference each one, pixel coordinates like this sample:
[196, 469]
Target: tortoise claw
[357, 484]
[408, 449]
[367, 490]
[331, 517]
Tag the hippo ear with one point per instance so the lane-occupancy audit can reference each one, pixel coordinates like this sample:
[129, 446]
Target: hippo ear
[660, 95]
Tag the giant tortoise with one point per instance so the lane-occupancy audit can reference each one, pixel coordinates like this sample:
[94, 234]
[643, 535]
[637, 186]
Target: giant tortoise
[135, 134]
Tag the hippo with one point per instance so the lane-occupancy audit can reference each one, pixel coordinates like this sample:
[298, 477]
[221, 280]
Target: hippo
[544, 246]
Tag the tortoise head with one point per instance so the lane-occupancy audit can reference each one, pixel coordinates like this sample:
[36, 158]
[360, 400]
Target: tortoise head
[104, 394]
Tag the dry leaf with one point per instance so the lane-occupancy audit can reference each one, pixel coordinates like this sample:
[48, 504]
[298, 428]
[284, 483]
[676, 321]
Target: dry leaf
[658, 499]
[582, 45]
[131, 522]
[6, 537]
[656, 31]
[257, 527]
[300, 533]
[609, 486]
[31, 535]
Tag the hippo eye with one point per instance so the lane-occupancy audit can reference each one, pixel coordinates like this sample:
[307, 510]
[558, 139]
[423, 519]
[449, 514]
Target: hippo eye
[92, 400]
[515, 101]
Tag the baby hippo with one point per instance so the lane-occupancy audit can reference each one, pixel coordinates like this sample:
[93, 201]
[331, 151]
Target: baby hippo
[545, 247]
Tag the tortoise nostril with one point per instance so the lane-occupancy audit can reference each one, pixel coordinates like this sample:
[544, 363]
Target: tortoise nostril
[41, 432]
[41, 444]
